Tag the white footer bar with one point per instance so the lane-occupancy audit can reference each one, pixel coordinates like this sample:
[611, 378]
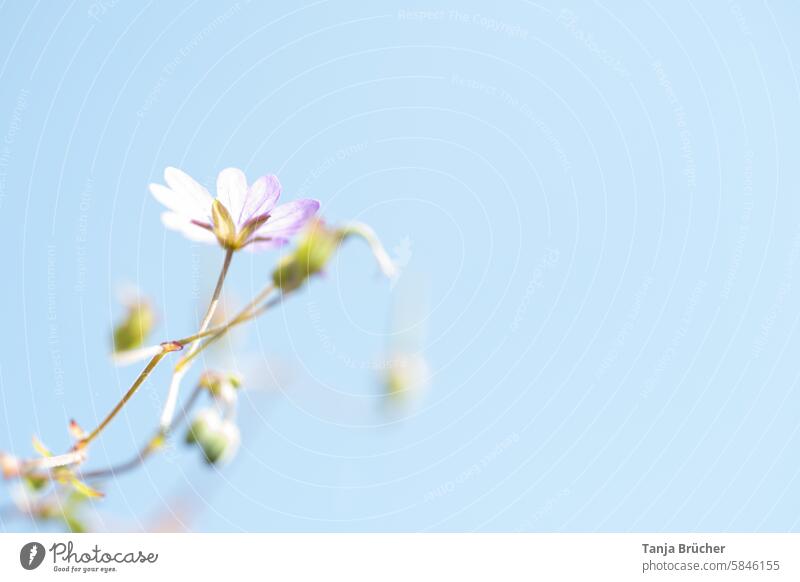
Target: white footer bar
[401, 557]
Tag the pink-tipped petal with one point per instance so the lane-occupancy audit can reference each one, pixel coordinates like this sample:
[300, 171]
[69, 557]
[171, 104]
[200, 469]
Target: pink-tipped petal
[184, 225]
[261, 198]
[265, 245]
[232, 190]
[287, 219]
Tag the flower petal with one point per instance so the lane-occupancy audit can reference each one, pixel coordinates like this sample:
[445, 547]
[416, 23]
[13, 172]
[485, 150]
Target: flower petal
[184, 225]
[261, 198]
[232, 190]
[183, 183]
[265, 245]
[179, 202]
[287, 219]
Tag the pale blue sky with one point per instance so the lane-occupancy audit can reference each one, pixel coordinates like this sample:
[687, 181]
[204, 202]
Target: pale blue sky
[597, 201]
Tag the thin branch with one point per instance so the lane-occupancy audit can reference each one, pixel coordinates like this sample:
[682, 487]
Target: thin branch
[242, 317]
[251, 311]
[166, 348]
[142, 353]
[246, 314]
[179, 373]
[148, 448]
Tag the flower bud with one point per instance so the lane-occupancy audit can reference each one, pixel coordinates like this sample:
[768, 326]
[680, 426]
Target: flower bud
[76, 431]
[35, 482]
[311, 255]
[221, 445]
[10, 466]
[222, 386]
[288, 275]
[218, 438]
[131, 332]
[407, 374]
[206, 421]
[316, 248]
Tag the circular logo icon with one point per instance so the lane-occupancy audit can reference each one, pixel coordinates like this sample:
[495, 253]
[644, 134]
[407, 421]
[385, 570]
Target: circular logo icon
[31, 555]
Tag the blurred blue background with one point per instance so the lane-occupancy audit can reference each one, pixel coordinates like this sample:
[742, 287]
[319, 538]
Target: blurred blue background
[595, 206]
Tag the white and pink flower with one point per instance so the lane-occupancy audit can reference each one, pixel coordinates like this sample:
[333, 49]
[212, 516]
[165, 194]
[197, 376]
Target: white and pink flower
[242, 216]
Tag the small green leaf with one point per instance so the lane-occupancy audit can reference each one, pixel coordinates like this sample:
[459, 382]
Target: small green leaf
[85, 489]
[74, 524]
[40, 448]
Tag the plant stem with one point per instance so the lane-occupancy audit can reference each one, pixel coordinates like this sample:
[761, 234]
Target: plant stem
[249, 312]
[180, 371]
[244, 315]
[166, 348]
[131, 391]
[148, 448]
[239, 318]
[45, 463]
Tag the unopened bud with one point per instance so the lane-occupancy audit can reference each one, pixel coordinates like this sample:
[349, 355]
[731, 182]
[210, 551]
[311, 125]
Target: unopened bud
[222, 386]
[221, 446]
[218, 438]
[312, 254]
[205, 421]
[35, 482]
[132, 331]
[407, 374]
[316, 248]
[10, 466]
[76, 431]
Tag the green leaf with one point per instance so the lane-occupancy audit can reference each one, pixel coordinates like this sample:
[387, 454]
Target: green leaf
[85, 489]
[74, 524]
